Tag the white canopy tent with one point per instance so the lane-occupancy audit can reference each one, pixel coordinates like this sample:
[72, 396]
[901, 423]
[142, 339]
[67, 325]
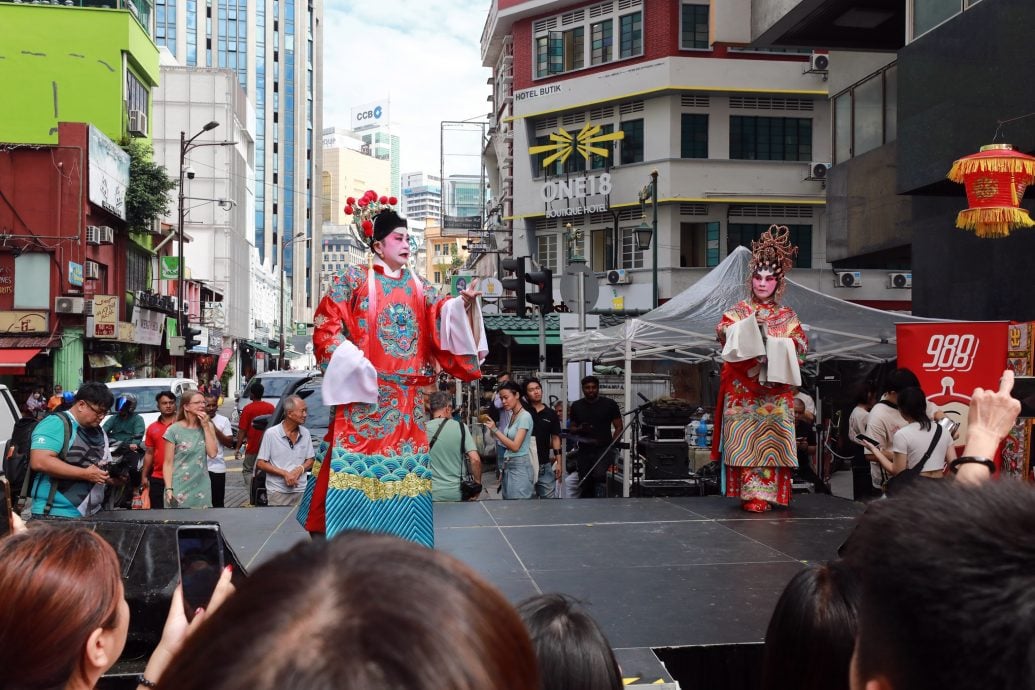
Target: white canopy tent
[683, 329]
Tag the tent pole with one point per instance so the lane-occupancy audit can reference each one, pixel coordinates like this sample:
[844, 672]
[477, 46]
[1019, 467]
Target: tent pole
[627, 431]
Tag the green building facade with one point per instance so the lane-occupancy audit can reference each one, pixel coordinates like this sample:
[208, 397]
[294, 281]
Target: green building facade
[74, 63]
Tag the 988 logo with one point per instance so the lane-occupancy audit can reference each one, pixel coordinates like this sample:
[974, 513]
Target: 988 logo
[951, 352]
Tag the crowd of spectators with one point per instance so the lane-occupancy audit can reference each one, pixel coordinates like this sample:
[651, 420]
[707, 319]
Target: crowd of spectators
[933, 591]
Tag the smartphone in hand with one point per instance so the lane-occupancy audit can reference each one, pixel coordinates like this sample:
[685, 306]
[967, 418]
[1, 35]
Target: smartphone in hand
[6, 526]
[200, 550]
[864, 437]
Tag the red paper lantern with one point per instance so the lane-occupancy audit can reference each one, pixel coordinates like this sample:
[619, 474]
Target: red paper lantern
[995, 179]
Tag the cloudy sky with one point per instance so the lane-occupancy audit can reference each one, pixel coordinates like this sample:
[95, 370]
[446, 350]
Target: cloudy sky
[425, 56]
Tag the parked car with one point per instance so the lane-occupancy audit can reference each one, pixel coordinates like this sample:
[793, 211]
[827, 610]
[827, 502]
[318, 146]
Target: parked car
[317, 421]
[275, 385]
[9, 413]
[146, 390]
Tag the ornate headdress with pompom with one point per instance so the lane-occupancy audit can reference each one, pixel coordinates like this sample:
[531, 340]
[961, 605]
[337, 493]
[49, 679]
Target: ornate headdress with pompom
[773, 252]
[374, 215]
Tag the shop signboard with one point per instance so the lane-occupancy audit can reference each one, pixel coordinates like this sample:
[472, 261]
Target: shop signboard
[147, 326]
[19, 322]
[105, 316]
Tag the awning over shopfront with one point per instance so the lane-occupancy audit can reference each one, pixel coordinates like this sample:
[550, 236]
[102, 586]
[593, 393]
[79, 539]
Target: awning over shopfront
[12, 362]
[261, 348]
[100, 361]
[526, 338]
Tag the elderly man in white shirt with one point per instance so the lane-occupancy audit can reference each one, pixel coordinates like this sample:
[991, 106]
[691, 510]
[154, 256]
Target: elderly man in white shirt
[286, 455]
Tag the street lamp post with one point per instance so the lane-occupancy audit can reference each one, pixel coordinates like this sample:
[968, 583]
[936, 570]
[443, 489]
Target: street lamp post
[186, 145]
[644, 233]
[283, 246]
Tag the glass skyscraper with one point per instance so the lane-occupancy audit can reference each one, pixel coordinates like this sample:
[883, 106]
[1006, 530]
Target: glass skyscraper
[280, 67]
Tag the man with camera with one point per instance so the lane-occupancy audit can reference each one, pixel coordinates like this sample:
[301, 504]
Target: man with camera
[450, 441]
[69, 454]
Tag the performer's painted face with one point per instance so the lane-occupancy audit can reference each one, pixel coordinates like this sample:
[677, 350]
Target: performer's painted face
[395, 248]
[763, 284]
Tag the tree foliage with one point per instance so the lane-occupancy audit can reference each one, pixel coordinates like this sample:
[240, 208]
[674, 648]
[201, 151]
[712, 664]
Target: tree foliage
[149, 185]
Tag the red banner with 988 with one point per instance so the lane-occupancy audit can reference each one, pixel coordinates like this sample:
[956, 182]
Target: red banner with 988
[952, 359]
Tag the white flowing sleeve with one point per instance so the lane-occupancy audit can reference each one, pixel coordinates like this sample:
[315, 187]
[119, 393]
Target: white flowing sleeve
[350, 377]
[461, 336]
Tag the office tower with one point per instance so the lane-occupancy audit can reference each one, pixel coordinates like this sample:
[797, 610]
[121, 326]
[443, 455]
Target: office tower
[275, 48]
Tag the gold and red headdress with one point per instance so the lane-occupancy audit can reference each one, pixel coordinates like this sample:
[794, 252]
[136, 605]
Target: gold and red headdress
[374, 216]
[773, 252]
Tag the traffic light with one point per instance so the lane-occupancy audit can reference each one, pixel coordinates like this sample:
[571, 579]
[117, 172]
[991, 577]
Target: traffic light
[543, 298]
[515, 284]
[191, 338]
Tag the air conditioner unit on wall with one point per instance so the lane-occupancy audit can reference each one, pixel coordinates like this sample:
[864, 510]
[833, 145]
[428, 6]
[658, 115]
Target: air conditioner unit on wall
[818, 170]
[138, 123]
[69, 305]
[107, 235]
[618, 276]
[819, 62]
[93, 234]
[848, 279]
[91, 270]
[900, 281]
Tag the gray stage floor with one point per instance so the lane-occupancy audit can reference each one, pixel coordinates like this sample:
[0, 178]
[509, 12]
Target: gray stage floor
[654, 572]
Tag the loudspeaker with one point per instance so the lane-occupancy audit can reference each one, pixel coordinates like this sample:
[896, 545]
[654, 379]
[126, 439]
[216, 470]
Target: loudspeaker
[150, 573]
[665, 459]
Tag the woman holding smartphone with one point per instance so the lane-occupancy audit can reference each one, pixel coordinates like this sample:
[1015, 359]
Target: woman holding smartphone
[188, 445]
[518, 479]
[911, 442]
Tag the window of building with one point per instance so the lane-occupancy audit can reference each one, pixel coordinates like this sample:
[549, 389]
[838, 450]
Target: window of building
[770, 138]
[630, 257]
[136, 93]
[547, 253]
[699, 244]
[136, 271]
[632, 144]
[693, 24]
[742, 234]
[924, 15]
[631, 38]
[865, 115]
[559, 43]
[603, 254]
[601, 40]
[438, 277]
[694, 136]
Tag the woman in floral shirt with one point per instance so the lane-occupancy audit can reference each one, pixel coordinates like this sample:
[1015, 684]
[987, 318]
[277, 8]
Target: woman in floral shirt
[188, 443]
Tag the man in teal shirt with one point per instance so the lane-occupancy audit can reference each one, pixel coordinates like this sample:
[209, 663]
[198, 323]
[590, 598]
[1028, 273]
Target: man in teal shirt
[72, 485]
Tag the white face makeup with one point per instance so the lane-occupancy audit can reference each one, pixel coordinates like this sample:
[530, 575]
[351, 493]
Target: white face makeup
[394, 249]
[763, 284]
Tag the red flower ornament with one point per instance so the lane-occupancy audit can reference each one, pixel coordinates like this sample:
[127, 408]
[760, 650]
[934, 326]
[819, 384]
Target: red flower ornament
[349, 210]
[383, 200]
[351, 200]
[392, 201]
[368, 228]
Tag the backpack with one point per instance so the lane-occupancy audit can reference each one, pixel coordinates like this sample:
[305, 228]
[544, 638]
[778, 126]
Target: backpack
[16, 457]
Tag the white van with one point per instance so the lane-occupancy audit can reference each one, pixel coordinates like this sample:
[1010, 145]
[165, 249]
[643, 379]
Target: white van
[145, 390]
[9, 413]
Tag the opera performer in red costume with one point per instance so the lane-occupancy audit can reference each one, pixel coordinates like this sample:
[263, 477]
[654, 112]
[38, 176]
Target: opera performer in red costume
[763, 346]
[379, 334]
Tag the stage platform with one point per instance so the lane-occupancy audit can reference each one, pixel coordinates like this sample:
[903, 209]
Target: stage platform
[655, 572]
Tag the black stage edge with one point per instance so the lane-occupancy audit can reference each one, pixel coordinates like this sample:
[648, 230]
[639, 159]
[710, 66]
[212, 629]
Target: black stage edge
[676, 573]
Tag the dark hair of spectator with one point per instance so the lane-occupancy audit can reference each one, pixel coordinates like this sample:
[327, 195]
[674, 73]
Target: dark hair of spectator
[95, 393]
[439, 401]
[811, 635]
[900, 379]
[529, 381]
[864, 393]
[359, 612]
[590, 379]
[913, 405]
[947, 587]
[256, 391]
[572, 650]
[512, 387]
[58, 583]
[168, 395]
